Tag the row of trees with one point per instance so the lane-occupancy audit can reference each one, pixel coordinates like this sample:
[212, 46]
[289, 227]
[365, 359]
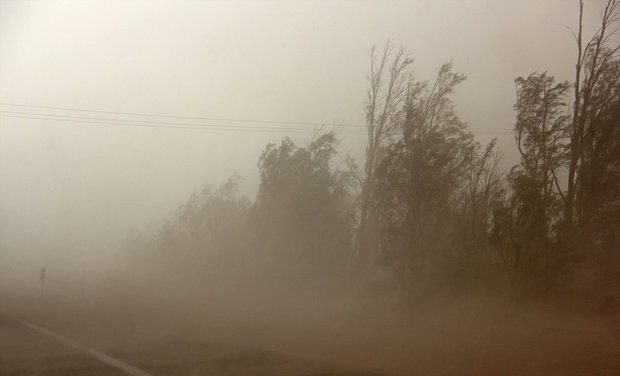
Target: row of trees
[437, 197]
[549, 225]
[431, 187]
[430, 202]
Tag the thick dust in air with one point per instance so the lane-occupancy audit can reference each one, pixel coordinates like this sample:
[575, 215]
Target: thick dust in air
[310, 188]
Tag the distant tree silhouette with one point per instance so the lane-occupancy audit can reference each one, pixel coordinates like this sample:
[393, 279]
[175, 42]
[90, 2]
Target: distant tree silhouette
[212, 221]
[303, 208]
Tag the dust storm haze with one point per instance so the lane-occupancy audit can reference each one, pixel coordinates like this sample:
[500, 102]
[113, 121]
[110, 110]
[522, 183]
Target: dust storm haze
[310, 187]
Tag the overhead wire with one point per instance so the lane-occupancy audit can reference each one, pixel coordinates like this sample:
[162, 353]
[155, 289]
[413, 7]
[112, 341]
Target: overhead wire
[249, 127]
[203, 128]
[260, 121]
[153, 124]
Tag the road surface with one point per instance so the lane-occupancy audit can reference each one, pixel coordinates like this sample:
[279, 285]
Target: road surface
[25, 349]
[163, 339]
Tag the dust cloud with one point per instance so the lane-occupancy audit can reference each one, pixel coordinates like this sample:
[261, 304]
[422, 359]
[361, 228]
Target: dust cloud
[166, 308]
[311, 188]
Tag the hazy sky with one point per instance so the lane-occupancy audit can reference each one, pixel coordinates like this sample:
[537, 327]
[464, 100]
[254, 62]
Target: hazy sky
[75, 187]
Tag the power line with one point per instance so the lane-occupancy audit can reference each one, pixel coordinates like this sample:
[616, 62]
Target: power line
[177, 116]
[360, 127]
[175, 124]
[185, 125]
[203, 128]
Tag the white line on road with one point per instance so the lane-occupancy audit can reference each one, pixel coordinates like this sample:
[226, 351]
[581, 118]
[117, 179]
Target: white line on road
[133, 371]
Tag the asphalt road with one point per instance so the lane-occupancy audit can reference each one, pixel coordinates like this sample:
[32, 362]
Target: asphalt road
[163, 339]
[27, 350]
[23, 351]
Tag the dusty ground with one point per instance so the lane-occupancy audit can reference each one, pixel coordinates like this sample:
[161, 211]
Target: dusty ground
[177, 335]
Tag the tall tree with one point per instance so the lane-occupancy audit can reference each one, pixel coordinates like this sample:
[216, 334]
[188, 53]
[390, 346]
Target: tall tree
[600, 183]
[484, 184]
[420, 178]
[594, 79]
[526, 226]
[389, 78]
[540, 129]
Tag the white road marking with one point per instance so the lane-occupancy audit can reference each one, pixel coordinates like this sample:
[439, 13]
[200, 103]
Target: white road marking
[131, 370]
